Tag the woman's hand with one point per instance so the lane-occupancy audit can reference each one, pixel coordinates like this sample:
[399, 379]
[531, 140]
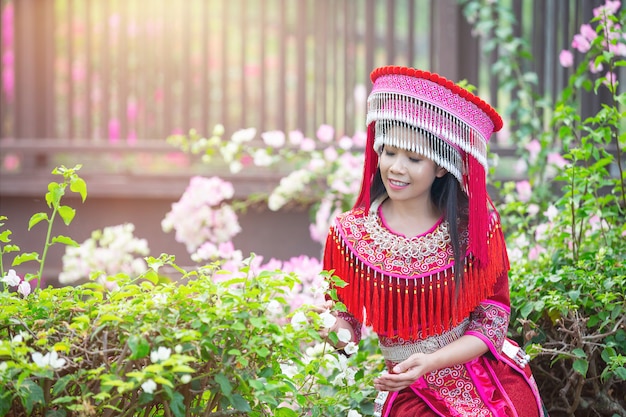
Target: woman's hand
[405, 373]
[462, 350]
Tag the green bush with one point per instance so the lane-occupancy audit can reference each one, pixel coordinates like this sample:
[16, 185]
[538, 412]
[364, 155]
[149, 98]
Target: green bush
[567, 239]
[210, 343]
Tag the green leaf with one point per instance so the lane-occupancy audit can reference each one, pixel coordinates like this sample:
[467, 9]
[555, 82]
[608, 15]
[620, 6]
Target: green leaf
[31, 394]
[152, 276]
[4, 236]
[56, 413]
[25, 257]
[263, 352]
[64, 240]
[285, 412]
[36, 218]
[67, 214]
[63, 400]
[78, 185]
[177, 404]
[224, 383]
[240, 403]
[581, 366]
[621, 372]
[139, 347]
[61, 383]
[526, 310]
[54, 194]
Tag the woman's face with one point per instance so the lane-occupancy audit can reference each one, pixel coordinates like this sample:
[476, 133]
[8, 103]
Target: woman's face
[407, 175]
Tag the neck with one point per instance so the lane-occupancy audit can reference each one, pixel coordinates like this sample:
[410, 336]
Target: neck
[410, 219]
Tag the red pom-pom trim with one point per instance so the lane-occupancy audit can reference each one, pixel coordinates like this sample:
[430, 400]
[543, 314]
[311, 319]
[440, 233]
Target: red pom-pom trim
[444, 82]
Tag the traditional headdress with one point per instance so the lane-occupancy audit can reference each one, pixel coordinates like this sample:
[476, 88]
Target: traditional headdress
[451, 127]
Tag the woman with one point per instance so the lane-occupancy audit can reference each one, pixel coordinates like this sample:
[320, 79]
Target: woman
[424, 257]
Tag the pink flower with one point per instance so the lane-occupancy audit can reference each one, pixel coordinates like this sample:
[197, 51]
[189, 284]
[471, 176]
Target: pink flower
[345, 143]
[588, 32]
[11, 162]
[307, 145]
[295, 137]
[593, 68]
[325, 133]
[566, 58]
[524, 191]
[556, 159]
[131, 110]
[609, 79]
[609, 8]
[114, 131]
[534, 252]
[533, 147]
[359, 139]
[330, 154]
[580, 43]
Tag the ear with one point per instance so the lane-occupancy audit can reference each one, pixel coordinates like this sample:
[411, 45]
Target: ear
[440, 172]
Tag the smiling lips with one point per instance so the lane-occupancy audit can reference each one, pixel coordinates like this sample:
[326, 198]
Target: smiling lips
[397, 184]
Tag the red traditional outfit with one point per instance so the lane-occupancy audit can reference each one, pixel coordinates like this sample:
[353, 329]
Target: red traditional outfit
[405, 288]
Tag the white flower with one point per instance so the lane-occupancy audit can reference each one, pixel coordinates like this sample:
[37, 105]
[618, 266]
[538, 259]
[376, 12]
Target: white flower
[235, 167]
[24, 288]
[328, 319]
[218, 130]
[299, 320]
[295, 137]
[243, 135]
[159, 298]
[344, 335]
[351, 348]
[11, 278]
[161, 354]
[262, 158]
[289, 370]
[149, 386]
[50, 359]
[551, 212]
[274, 138]
[185, 378]
[354, 413]
[274, 307]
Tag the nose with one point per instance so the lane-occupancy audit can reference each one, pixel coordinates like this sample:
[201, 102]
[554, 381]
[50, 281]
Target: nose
[398, 166]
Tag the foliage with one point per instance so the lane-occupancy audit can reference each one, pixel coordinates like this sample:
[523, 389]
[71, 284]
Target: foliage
[323, 173]
[211, 343]
[56, 191]
[566, 237]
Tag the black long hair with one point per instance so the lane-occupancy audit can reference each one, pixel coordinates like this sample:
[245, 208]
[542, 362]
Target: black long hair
[449, 198]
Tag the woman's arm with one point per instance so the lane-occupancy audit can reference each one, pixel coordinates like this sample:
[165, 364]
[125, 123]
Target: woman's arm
[405, 373]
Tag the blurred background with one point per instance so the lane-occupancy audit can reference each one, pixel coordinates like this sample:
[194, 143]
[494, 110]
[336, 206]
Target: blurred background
[103, 83]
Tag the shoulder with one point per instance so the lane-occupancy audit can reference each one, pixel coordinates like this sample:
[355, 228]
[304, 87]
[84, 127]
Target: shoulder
[349, 216]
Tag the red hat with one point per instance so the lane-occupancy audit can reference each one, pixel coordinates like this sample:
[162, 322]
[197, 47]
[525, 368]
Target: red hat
[452, 127]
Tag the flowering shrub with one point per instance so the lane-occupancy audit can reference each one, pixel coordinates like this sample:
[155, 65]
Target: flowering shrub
[324, 173]
[107, 252]
[566, 231]
[202, 220]
[214, 342]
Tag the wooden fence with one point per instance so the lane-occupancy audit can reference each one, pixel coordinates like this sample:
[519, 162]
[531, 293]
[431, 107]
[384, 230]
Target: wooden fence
[93, 81]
